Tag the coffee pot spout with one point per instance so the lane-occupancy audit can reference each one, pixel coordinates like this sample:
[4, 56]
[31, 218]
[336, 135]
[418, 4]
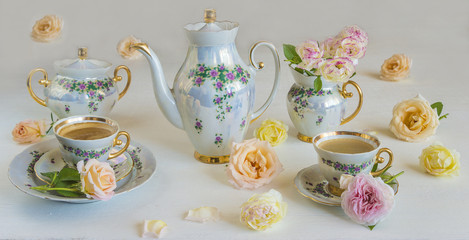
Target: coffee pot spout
[163, 94]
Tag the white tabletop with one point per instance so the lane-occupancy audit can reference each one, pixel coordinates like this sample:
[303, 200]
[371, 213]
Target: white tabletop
[435, 34]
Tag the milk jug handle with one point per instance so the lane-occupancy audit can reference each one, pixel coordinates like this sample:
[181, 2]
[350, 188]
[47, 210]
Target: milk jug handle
[259, 66]
[346, 95]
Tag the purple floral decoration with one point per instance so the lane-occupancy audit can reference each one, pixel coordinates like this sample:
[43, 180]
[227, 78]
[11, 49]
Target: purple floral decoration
[95, 90]
[218, 139]
[198, 125]
[319, 121]
[300, 98]
[351, 169]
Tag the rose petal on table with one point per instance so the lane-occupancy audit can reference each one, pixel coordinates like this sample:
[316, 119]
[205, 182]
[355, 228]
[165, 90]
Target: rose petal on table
[203, 214]
[154, 229]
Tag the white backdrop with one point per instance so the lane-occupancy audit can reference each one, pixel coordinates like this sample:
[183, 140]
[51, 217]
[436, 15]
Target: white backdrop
[435, 34]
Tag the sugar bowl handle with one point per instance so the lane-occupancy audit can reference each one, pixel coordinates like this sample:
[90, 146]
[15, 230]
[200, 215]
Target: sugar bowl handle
[259, 66]
[45, 81]
[346, 95]
[118, 78]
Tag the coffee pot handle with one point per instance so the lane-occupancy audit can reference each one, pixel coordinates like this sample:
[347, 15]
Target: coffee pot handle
[45, 81]
[346, 95]
[259, 66]
[118, 78]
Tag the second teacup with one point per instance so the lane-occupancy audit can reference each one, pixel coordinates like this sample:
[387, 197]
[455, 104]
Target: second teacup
[87, 137]
[344, 152]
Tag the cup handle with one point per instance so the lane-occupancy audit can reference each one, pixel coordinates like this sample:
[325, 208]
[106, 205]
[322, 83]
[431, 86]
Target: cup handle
[45, 81]
[346, 94]
[119, 142]
[118, 78]
[272, 48]
[381, 160]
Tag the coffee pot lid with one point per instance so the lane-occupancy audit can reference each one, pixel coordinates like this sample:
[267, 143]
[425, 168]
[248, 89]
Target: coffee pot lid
[82, 66]
[211, 31]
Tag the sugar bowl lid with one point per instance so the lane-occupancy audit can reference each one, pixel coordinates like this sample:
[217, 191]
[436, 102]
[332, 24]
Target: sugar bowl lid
[82, 67]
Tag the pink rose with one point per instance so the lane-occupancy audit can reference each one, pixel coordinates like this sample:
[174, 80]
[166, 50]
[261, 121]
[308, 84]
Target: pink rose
[29, 131]
[354, 31]
[310, 53]
[367, 200]
[253, 163]
[330, 47]
[98, 180]
[338, 70]
[351, 47]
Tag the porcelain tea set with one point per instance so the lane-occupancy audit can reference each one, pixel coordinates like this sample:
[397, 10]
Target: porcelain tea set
[212, 100]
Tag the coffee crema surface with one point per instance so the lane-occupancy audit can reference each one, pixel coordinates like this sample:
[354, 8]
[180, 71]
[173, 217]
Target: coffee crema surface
[346, 145]
[87, 131]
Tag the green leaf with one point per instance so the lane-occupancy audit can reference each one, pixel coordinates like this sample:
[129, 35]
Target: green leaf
[375, 167]
[444, 116]
[317, 84]
[355, 73]
[371, 227]
[72, 190]
[49, 175]
[69, 174]
[290, 53]
[438, 106]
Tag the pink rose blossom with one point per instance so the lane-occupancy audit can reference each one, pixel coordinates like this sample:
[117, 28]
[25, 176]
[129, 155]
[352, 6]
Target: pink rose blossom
[29, 131]
[354, 31]
[310, 53]
[253, 163]
[338, 70]
[367, 200]
[98, 180]
[351, 47]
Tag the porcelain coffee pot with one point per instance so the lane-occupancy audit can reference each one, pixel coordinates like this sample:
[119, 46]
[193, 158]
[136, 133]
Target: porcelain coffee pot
[213, 93]
[82, 87]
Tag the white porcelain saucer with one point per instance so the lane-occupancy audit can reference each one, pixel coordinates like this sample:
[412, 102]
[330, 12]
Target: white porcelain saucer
[21, 171]
[313, 185]
[52, 161]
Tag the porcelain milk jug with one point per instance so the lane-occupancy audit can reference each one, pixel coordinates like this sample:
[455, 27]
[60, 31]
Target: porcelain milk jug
[213, 93]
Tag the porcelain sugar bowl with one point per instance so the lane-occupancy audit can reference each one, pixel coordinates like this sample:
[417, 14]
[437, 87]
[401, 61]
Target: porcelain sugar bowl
[81, 87]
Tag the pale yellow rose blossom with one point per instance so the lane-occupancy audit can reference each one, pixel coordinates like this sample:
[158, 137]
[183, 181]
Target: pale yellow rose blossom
[124, 49]
[154, 229]
[47, 29]
[440, 161]
[29, 131]
[98, 179]
[414, 120]
[263, 210]
[273, 131]
[396, 67]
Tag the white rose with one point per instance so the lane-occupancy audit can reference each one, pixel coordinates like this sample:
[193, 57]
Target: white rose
[47, 29]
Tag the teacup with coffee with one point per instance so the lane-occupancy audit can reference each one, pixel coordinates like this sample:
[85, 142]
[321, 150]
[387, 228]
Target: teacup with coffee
[344, 152]
[87, 137]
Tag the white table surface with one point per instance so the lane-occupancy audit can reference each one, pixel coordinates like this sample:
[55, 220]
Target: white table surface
[435, 34]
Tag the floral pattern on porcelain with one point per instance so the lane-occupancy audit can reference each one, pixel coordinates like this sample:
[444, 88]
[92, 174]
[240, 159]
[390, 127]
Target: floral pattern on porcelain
[243, 123]
[134, 154]
[351, 169]
[218, 139]
[300, 98]
[67, 108]
[319, 189]
[198, 125]
[220, 77]
[36, 156]
[319, 121]
[87, 154]
[94, 89]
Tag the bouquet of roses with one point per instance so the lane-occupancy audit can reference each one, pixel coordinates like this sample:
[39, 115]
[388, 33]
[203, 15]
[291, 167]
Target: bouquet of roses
[334, 59]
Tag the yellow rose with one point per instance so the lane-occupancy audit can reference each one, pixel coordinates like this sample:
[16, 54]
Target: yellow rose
[124, 49]
[396, 67]
[98, 180]
[253, 163]
[47, 29]
[273, 131]
[263, 210]
[414, 120]
[29, 131]
[440, 161]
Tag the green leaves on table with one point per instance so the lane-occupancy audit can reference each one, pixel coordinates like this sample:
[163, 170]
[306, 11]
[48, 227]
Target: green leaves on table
[66, 183]
[439, 108]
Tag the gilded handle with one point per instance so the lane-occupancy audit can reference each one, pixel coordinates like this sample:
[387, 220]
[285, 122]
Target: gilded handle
[118, 78]
[45, 81]
[346, 94]
[119, 142]
[259, 66]
[381, 160]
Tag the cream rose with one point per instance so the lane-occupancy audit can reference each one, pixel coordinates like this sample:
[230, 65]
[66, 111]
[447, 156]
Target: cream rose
[414, 120]
[273, 131]
[47, 29]
[262, 210]
[338, 70]
[253, 163]
[440, 161]
[396, 67]
[98, 180]
[29, 131]
[124, 49]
